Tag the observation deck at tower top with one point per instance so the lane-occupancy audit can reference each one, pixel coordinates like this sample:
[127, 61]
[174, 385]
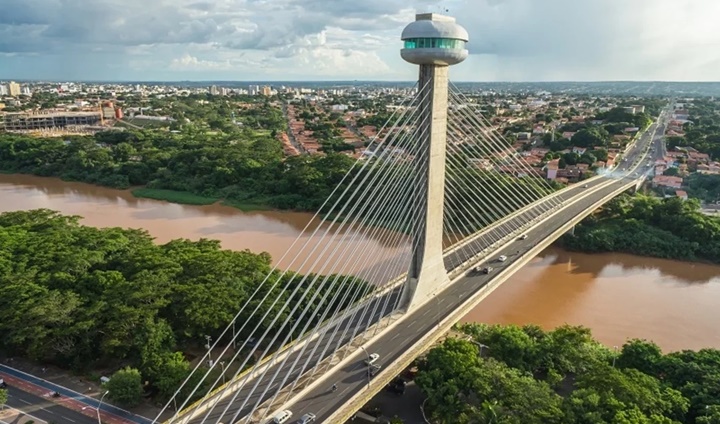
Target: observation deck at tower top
[434, 39]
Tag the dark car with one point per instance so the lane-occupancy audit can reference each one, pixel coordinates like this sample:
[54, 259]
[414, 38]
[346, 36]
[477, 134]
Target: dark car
[397, 386]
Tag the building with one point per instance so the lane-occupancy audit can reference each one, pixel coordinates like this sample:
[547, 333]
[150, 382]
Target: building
[13, 89]
[108, 110]
[266, 91]
[30, 122]
[667, 181]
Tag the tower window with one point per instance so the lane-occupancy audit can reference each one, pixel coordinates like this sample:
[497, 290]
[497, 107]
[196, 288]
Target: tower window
[434, 43]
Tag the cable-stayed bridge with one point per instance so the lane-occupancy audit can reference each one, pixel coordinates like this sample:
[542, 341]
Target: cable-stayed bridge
[461, 209]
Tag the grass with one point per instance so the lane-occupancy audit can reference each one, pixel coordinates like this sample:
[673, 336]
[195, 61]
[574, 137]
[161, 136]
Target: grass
[186, 198]
[249, 205]
[174, 196]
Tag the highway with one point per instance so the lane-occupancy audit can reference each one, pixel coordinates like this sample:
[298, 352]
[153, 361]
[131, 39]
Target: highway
[45, 409]
[350, 378]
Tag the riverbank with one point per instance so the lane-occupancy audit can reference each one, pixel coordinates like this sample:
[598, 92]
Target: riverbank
[669, 228]
[187, 198]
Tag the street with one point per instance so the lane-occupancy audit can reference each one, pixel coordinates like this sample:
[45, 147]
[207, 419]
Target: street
[47, 410]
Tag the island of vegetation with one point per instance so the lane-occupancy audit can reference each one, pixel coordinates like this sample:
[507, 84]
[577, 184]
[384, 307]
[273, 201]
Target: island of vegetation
[99, 300]
[524, 375]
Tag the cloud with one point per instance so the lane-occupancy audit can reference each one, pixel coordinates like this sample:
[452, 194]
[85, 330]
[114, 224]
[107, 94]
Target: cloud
[351, 39]
[187, 62]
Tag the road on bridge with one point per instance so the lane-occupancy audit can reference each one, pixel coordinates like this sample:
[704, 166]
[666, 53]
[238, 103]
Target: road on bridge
[353, 377]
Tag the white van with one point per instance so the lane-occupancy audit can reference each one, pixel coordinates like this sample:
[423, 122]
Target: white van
[282, 417]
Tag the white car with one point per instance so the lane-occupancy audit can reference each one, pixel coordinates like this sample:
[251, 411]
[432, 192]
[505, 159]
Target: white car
[524, 237]
[281, 417]
[502, 258]
[372, 359]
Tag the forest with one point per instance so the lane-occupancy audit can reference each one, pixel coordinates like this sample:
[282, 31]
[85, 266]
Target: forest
[525, 375]
[91, 299]
[246, 165]
[650, 226]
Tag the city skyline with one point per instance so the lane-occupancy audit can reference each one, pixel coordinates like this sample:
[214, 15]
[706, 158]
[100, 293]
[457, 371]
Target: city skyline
[314, 40]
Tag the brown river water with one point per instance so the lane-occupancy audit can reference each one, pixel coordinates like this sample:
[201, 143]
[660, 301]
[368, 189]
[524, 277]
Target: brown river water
[676, 304]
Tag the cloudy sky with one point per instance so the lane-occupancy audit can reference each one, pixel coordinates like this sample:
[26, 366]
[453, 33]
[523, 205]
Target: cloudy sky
[511, 40]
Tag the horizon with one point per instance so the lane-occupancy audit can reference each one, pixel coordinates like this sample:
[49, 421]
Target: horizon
[119, 81]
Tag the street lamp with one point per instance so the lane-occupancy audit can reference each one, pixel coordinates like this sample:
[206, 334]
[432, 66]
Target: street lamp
[100, 405]
[222, 365]
[615, 348]
[207, 345]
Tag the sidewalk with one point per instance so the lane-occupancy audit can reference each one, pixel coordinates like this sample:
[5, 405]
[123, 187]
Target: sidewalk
[69, 398]
[13, 416]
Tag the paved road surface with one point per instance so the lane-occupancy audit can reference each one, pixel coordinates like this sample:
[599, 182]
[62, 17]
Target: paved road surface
[17, 380]
[45, 409]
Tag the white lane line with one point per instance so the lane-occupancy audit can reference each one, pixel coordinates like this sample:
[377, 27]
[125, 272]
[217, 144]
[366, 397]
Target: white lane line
[24, 401]
[395, 336]
[69, 419]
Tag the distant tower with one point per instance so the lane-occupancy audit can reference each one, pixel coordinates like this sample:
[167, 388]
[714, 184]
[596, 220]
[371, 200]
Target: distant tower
[434, 42]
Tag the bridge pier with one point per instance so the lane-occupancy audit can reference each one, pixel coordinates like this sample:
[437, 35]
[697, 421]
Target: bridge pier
[427, 269]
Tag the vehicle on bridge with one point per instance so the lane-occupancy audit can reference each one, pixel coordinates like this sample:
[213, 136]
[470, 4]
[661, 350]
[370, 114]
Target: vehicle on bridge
[524, 237]
[372, 359]
[502, 258]
[281, 417]
[305, 419]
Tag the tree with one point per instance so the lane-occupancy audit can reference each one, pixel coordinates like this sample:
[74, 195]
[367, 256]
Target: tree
[641, 355]
[674, 172]
[125, 387]
[590, 137]
[3, 398]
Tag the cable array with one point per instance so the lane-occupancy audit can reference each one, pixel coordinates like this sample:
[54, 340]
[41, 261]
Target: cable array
[323, 310]
[293, 324]
[487, 181]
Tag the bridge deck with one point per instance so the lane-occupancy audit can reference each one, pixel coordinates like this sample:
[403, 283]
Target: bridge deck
[351, 378]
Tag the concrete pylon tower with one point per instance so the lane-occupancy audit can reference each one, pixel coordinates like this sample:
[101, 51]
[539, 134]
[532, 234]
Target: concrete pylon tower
[434, 42]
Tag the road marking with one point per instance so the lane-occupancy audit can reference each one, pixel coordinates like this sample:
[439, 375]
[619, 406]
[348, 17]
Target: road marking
[24, 401]
[69, 419]
[395, 336]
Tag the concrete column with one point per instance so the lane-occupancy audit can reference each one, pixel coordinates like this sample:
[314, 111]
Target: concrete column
[427, 270]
